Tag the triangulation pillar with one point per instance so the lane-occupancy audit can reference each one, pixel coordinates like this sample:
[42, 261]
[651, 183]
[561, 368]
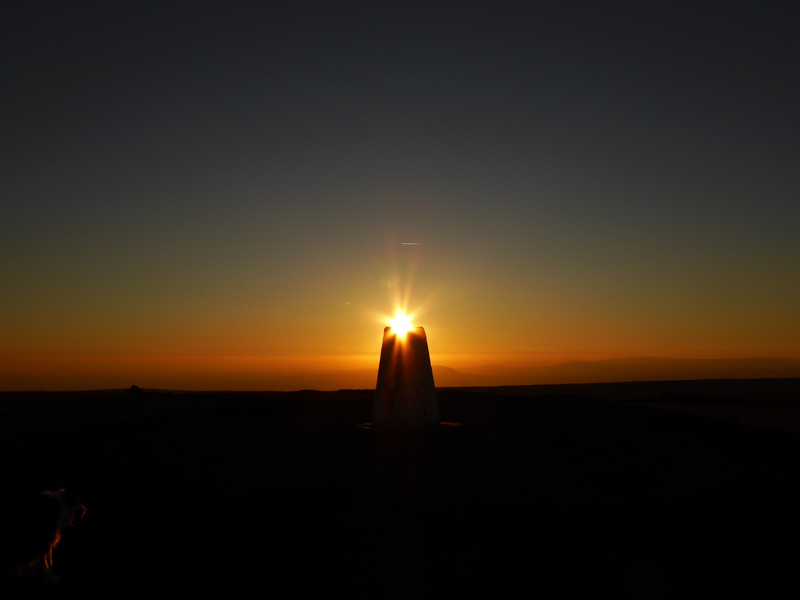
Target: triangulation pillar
[405, 395]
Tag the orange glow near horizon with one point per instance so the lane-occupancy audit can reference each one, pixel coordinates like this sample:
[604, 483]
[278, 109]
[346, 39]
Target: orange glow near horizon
[325, 332]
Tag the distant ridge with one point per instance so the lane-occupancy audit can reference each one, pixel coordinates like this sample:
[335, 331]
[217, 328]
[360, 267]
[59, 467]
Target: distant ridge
[617, 370]
[614, 370]
[646, 369]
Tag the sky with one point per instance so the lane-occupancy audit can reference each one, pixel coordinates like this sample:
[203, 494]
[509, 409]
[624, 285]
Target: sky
[215, 195]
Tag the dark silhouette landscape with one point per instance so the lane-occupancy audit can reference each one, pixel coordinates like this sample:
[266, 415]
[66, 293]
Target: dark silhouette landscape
[210, 211]
[647, 488]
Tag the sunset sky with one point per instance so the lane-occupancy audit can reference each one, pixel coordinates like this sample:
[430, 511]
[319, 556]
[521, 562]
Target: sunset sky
[216, 195]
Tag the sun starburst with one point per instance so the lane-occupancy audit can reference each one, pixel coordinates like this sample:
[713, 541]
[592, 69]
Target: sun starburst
[401, 324]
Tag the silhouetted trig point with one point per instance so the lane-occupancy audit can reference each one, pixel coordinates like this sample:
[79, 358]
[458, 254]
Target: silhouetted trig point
[405, 396]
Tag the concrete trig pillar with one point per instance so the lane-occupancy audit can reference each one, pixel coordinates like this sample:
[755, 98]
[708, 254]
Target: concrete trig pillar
[405, 395]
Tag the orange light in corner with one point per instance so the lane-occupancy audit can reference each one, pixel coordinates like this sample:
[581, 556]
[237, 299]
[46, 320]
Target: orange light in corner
[400, 324]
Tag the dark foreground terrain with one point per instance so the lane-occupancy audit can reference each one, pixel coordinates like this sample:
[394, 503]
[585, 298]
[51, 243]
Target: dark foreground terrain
[555, 489]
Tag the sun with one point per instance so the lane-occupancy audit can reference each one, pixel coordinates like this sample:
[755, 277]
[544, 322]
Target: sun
[401, 324]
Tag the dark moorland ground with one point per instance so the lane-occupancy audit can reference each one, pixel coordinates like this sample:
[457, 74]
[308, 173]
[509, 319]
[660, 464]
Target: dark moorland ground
[589, 488]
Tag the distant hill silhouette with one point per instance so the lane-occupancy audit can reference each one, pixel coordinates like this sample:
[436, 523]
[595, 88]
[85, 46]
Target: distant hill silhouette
[575, 371]
[665, 369]
[603, 371]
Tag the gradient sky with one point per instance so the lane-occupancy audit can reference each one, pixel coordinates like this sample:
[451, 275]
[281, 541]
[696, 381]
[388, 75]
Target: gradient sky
[200, 189]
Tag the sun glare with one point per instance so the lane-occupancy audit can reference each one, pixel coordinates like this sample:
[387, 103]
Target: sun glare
[400, 324]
